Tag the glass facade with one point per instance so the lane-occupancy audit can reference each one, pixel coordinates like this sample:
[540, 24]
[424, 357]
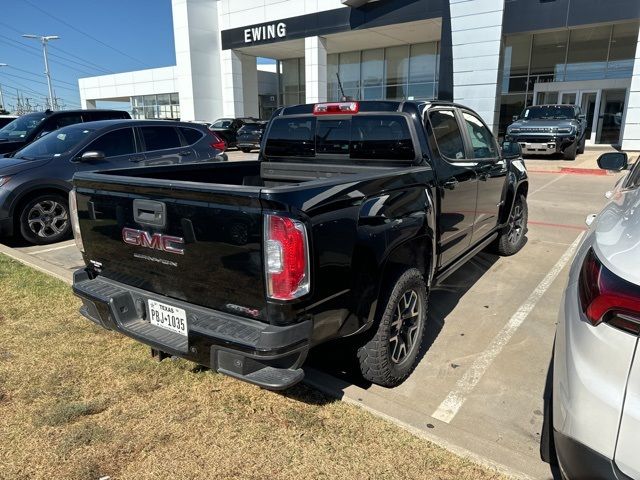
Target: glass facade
[593, 53]
[164, 105]
[393, 73]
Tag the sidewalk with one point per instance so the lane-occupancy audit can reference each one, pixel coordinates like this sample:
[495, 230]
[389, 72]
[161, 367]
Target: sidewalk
[585, 163]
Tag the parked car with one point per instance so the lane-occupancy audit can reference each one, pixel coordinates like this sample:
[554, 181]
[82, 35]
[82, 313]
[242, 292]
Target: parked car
[227, 128]
[550, 129]
[352, 213]
[35, 182]
[31, 126]
[6, 119]
[592, 402]
[250, 136]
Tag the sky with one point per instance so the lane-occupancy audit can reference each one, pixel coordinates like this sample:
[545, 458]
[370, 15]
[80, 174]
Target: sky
[96, 38]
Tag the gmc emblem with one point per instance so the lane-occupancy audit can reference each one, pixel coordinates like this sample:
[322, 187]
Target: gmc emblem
[156, 241]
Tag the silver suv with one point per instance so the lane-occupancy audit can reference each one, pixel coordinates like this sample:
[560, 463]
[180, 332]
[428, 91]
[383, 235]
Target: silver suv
[592, 404]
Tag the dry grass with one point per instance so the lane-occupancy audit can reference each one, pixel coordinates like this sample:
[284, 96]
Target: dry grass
[77, 402]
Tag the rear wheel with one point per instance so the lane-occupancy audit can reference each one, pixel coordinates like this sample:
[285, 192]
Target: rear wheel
[390, 356]
[513, 236]
[45, 219]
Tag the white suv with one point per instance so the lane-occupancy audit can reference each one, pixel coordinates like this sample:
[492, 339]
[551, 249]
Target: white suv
[592, 407]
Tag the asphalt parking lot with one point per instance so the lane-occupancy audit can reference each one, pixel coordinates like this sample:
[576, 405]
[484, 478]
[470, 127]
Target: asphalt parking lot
[478, 389]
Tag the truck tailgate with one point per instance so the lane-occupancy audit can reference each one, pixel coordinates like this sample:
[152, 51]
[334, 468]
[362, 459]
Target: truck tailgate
[202, 247]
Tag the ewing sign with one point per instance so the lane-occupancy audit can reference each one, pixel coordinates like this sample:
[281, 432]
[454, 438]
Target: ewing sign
[265, 32]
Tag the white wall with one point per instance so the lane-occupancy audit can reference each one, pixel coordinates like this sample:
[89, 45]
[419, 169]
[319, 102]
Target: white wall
[631, 132]
[128, 84]
[238, 13]
[198, 58]
[476, 33]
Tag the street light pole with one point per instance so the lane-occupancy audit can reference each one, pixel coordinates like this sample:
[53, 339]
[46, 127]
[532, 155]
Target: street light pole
[44, 39]
[1, 96]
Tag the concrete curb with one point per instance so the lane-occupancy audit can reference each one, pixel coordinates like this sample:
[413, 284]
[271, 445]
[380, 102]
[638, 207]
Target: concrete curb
[40, 265]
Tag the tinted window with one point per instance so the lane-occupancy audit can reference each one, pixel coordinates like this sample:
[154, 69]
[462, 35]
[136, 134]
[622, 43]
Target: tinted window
[222, 124]
[160, 138]
[65, 120]
[112, 144]
[333, 136]
[381, 137]
[251, 127]
[481, 138]
[191, 135]
[291, 137]
[447, 134]
[21, 126]
[561, 112]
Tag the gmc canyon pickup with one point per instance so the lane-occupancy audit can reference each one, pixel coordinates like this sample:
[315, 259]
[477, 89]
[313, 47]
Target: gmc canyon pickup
[350, 216]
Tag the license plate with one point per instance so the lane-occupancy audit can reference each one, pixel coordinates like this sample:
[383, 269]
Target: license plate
[168, 317]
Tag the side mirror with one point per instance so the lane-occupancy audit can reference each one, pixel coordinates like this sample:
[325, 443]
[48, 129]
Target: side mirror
[511, 149]
[613, 161]
[91, 156]
[514, 118]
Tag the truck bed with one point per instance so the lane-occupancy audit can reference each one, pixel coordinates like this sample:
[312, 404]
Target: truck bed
[248, 173]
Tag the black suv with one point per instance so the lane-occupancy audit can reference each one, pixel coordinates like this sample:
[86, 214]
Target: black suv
[227, 129]
[550, 129]
[27, 128]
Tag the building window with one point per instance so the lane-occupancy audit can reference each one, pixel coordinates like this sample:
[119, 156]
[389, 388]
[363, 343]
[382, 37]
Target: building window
[406, 72]
[292, 86]
[164, 105]
[591, 53]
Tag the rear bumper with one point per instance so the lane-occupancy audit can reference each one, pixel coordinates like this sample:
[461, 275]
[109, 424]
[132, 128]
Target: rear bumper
[578, 461]
[266, 355]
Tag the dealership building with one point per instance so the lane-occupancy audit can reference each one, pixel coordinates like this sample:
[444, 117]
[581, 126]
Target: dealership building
[495, 56]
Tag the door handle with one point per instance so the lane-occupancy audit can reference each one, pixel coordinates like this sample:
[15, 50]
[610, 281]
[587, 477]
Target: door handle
[184, 153]
[136, 158]
[450, 184]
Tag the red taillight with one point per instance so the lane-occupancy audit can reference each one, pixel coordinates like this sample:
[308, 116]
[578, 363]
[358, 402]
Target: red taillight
[218, 143]
[336, 108]
[286, 252]
[605, 297]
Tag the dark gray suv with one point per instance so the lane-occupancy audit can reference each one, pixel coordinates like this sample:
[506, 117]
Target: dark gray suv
[550, 129]
[35, 182]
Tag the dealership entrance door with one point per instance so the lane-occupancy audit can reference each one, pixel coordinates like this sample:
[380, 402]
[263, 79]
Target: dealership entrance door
[602, 101]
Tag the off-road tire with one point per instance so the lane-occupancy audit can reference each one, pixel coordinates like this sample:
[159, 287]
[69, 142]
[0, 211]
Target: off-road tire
[571, 151]
[48, 200]
[507, 244]
[375, 356]
[582, 145]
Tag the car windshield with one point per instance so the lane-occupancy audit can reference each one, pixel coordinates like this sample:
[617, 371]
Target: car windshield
[55, 144]
[21, 127]
[560, 112]
[222, 124]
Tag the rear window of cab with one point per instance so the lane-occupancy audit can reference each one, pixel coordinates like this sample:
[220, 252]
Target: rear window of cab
[371, 137]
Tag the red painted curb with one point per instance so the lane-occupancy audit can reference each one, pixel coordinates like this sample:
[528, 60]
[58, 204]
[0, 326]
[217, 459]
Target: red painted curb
[571, 171]
[583, 171]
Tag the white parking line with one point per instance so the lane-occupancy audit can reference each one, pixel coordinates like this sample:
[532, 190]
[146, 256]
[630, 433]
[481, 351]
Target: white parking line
[52, 249]
[452, 404]
[559, 177]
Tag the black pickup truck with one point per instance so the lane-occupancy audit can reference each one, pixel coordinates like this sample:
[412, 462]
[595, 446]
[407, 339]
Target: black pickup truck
[351, 215]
